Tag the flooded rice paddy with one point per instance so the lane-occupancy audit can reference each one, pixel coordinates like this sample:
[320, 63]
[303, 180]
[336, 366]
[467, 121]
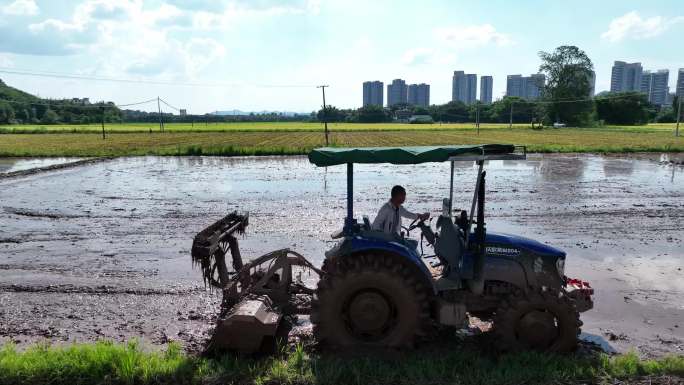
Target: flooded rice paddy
[103, 250]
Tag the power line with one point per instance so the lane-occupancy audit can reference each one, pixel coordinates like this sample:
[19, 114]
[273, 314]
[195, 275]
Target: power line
[135, 104]
[168, 105]
[76, 105]
[59, 75]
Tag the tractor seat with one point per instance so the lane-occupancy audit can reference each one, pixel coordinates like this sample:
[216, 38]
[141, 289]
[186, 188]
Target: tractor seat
[366, 223]
[449, 246]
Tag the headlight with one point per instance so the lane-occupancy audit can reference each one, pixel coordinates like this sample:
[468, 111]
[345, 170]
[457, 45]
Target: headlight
[560, 266]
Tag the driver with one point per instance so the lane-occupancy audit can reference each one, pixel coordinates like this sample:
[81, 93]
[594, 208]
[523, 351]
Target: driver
[389, 217]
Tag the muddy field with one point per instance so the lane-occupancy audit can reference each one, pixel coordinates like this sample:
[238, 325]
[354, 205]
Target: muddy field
[102, 250]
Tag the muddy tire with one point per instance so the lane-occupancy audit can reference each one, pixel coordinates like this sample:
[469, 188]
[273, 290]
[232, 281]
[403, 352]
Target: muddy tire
[373, 300]
[544, 321]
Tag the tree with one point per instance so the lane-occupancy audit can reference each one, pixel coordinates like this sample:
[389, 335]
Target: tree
[372, 114]
[6, 113]
[418, 110]
[332, 114]
[568, 71]
[49, 117]
[500, 111]
[454, 111]
[623, 108]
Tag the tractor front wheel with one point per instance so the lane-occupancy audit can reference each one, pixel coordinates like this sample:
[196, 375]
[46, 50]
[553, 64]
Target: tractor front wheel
[545, 321]
[370, 300]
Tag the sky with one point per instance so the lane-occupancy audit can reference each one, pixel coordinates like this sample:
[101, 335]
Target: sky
[207, 55]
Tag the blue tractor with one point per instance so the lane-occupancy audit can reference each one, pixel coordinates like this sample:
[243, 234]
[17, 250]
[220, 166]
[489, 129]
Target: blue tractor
[378, 290]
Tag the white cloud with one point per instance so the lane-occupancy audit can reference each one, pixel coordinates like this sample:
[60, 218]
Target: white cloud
[417, 55]
[472, 36]
[451, 40]
[632, 25]
[242, 11]
[21, 7]
[6, 61]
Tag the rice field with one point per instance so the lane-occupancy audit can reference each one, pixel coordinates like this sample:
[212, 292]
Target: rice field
[285, 127]
[281, 142]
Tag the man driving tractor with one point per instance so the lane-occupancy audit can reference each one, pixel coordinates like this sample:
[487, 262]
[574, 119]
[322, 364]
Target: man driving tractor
[389, 217]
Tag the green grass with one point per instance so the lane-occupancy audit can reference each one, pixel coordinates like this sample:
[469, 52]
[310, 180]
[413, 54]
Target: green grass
[108, 363]
[230, 143]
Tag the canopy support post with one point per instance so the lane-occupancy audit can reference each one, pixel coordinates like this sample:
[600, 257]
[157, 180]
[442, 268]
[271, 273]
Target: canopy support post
[349, 221]
[451, 190]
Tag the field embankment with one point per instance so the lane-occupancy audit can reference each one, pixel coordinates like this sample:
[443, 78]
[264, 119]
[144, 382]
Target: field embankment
[299, 138]
[129, 364]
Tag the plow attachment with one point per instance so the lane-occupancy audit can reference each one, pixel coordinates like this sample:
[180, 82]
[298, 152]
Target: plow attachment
[257, 295]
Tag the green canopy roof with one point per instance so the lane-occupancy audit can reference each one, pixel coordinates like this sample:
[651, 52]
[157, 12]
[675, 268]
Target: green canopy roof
[330, 156]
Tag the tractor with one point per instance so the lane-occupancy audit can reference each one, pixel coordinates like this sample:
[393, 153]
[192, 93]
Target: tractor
[377, 290]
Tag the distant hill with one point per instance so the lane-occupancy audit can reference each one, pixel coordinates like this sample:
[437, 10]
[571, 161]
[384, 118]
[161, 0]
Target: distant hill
[247, 113]
[11, 93]
[17, 107]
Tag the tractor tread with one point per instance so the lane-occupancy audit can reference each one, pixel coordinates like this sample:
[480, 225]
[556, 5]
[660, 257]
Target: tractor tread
[414, 321]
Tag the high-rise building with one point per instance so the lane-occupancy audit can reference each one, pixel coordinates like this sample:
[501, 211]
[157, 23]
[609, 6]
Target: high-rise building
[419, 94]
[534, 84]
[592, 84]
[464, 87]
[373, 93]
[526, 87]
[655, 86]
[471, 88]
[670, 99]
[486, 84]
[514, 86]
[679, 90]
[458, 86]
[397, 92]
[625, 77]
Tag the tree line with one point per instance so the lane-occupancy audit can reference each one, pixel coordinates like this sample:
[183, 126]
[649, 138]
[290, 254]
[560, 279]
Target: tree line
[625, 108]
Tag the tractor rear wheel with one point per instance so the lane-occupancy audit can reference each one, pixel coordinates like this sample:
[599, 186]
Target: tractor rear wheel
[370, 300]
[545, 321]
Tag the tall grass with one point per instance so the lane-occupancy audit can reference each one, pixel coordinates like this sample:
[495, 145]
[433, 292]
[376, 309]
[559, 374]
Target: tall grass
[108, 363]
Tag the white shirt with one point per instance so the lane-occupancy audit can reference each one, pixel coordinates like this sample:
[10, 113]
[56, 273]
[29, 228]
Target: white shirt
[389, 218]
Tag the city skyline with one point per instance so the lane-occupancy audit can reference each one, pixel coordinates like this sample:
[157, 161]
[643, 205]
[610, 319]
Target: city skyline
[216, 55]
[625, 77]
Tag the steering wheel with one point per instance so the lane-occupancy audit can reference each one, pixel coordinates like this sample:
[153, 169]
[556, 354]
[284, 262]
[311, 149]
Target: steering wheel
[416, 223]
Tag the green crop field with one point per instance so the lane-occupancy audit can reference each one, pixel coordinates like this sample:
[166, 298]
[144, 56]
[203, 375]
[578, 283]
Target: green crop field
[284, 127]
[294, 141]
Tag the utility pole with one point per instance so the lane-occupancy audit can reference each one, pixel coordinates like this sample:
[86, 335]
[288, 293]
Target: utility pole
[477, 117]
[325, 114]
[102, 108]
[510, 119]
[161, 125]
[679, 113]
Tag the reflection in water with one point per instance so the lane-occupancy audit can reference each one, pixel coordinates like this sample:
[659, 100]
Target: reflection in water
[8, 165]
[617, 167]
[566, 168]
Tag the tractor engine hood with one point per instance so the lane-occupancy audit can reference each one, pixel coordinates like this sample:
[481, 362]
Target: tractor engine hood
[518, 242]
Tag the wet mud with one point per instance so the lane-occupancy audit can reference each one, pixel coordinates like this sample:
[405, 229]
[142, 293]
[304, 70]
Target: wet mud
[102, 250]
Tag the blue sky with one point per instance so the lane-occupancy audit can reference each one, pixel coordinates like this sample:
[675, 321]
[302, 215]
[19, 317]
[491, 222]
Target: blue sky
[269, 55]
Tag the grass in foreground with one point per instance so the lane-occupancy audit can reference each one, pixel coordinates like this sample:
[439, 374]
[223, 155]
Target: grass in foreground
[107, 363]
[291, 143]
